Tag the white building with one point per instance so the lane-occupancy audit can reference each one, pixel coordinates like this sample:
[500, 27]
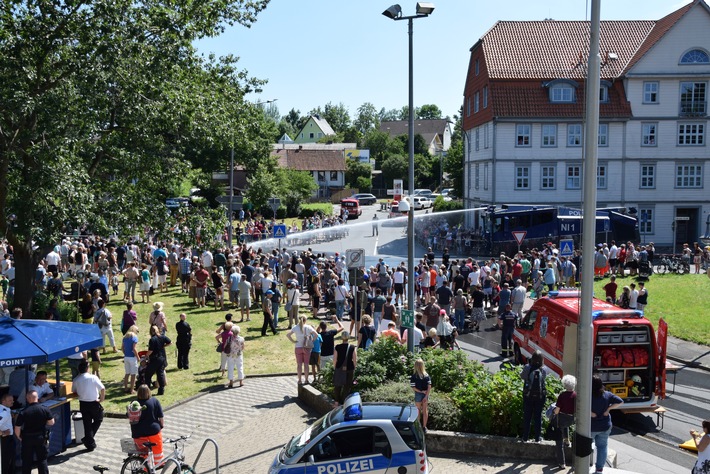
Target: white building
[524, 109]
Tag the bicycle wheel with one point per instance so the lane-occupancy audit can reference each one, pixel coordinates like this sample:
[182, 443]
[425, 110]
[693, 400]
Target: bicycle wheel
[184, 469]
[134, 465]
[661, 269]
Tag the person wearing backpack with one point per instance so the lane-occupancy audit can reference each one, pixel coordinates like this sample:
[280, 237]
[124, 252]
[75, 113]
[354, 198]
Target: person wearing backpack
[103, 319]
[534, 395]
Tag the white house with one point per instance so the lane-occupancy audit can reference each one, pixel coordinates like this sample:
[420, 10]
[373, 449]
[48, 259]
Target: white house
[524, 110]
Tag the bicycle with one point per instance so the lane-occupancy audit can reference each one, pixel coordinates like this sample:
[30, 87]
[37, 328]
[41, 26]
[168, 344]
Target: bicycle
[672, 264]
[142, 462]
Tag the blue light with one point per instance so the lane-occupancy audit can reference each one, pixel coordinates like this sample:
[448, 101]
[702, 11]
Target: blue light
[352, 408]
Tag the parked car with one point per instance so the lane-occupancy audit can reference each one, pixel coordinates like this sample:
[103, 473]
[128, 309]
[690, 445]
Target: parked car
[420, 202]
[422, 192]
[358, 437]
[365, 199]
[353, 207]
[175, 203]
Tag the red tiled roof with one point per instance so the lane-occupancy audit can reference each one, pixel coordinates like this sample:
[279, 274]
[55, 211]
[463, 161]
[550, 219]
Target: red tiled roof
[558, 49]
[659, 29]
[310, 160]
[530, 99]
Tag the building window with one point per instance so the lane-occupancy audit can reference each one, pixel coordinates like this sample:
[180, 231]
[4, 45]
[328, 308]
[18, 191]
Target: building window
[549, 135]
[485, 177]
[321, 176]
[562, 93]
[485, 96]
[648, 176]
[691, 134]
[648, 134]
[522, 134]
[688, 176]
[475, 103]
[603, 137]
[603, 94]
[574, 134]
[485, 136]
[547, 176]
[311, 135]
[650, 92]
[477, 141]
[646, 221]
[601, 176]
[476, 68]
[468, 106]
[333, 175]
[574, 177]
[692, 98]
[522, 177]
[477, 176]
[695, 56]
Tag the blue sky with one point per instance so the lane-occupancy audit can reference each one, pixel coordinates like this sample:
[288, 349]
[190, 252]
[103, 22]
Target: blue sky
[317, 51]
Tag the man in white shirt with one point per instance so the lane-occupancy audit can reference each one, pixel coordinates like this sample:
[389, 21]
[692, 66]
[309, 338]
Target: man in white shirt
[41, 386]
[613, 258]
[53, 260]
[7, 442]
[474, 278]
[633, 297]
[207, 260]
[517, 297]
[91, 392]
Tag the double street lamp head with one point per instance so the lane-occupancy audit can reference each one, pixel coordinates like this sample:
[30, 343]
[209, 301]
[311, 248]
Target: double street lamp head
[395, 11]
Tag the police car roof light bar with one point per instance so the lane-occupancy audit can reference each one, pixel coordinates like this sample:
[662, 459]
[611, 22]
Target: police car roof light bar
[352, 408]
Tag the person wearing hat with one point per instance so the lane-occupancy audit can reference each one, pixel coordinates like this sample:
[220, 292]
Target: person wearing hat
[344, 363]
[266, 307]
[157, 318]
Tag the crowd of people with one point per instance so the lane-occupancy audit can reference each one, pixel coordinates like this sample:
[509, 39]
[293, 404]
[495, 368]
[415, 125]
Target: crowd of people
[452, 296]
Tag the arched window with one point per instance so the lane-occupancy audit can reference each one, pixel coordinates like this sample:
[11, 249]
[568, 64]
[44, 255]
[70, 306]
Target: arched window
[695, 56]
[561, 90]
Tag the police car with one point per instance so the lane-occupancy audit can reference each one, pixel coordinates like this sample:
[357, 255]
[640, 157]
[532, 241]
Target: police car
[358, 437]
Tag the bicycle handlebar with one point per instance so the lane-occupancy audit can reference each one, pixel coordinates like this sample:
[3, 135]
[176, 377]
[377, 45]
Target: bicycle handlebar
[179, 438]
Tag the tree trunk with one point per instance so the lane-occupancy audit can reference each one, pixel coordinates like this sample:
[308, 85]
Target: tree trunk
[25, 265]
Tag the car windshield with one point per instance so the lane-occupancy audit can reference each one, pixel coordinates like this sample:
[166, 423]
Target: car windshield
[299, 441]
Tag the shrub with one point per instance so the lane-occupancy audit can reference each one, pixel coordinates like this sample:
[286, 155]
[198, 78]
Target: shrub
[448, 369]
[308, 210]
[493, 403]
[443, 412]
[69, 312]
[442, 206]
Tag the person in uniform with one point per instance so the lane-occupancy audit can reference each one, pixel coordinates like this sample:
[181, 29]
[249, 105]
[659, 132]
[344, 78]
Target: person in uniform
[7, 441]
[506, 322]
[30, 428]
[183, 342]
[91, 392]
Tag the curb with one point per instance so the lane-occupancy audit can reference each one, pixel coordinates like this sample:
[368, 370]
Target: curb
[465, 444]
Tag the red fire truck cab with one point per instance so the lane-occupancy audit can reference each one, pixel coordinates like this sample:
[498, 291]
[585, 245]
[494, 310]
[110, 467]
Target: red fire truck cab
[628, 355]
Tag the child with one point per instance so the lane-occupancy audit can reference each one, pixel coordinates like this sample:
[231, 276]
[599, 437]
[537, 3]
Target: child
[95, 362]
[314, 360]
[114, 283]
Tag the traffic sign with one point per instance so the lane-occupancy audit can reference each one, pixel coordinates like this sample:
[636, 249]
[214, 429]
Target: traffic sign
[519, 236]
[279, 231]
[407, 318]
[355, 258]
[566, 248]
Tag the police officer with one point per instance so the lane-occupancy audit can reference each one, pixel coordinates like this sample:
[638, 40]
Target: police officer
[7, 441]
[30, 429]
[506, 321]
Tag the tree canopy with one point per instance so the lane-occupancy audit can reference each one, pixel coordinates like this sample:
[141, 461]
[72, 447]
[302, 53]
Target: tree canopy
[105, 107]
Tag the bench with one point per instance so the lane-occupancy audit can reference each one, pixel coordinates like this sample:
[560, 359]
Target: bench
[671, 368]
[659, 411]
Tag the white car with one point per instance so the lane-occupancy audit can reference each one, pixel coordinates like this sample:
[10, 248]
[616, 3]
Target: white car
[420, 202]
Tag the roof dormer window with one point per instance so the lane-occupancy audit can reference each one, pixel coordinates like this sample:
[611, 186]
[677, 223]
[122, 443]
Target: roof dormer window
[695, 56]
[604, 91]
[562, 90]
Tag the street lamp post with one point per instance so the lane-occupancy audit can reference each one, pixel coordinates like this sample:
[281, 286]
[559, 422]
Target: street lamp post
[424, 9]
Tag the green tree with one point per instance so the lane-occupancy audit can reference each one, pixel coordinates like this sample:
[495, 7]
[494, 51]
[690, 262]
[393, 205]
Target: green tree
[367, 118]
[262, 183]
[388, 115]
[395, 167]
[428, 112]
[296, 187]
[453, 161]
[337, 116]
[104, 105]
[356, 170]
[380, 145]
[293, 117]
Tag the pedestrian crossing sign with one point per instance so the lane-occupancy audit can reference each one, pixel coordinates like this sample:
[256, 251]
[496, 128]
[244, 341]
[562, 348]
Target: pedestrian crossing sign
[279, 231]
[566, 248]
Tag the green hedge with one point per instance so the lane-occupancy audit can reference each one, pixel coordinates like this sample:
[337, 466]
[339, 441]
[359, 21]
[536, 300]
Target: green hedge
[308, 210]
[442, 206]
[465, 396]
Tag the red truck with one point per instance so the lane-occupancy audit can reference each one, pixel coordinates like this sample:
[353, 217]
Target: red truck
[628, 354]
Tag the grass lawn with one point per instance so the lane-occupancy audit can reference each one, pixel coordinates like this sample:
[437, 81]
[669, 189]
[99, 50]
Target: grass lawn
[270, 354]
[682, 300]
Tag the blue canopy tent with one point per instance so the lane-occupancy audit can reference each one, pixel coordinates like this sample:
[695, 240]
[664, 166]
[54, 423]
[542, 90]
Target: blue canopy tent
[32, 341]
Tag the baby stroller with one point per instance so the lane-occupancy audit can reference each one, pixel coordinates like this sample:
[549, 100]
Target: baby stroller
[210, 295]
[142, 366]
[645, 270]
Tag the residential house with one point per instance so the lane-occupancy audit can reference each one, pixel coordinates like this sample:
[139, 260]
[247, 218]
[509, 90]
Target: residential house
[523, 120]
[315, 128]
[436, 133]
[326, 164]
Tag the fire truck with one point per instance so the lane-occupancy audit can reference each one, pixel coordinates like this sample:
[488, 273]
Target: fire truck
[629, 355]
